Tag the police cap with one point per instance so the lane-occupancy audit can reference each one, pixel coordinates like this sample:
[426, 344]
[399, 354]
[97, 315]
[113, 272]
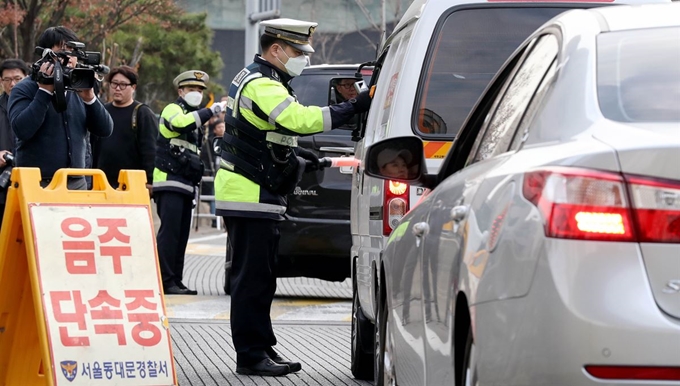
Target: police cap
[294, 32]
[191, 78]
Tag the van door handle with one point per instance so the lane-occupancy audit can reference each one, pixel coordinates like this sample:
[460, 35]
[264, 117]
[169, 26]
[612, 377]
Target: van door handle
[459, 212]
[420, 229]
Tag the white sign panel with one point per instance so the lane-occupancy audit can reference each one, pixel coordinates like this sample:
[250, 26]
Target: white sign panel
[101, 295]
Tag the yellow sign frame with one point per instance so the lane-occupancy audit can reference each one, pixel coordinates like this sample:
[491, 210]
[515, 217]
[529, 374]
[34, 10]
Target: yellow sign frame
[24, 352]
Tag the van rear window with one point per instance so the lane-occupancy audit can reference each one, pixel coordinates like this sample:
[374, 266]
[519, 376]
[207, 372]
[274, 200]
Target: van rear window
[470, 48]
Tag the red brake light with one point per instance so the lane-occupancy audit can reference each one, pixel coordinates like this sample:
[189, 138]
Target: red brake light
[395, 204]
[648, 373]
[657, 209]
[594, 205]
[580, 203]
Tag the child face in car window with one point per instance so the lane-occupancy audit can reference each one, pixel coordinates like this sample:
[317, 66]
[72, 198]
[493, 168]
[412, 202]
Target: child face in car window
[396, 168]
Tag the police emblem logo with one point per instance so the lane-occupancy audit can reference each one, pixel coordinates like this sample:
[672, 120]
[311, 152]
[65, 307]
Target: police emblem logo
[69, 369]
[275, 76]
[198, 75]
[312, 29]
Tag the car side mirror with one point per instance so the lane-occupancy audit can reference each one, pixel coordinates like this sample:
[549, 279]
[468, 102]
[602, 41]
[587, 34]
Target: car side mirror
[400, 159]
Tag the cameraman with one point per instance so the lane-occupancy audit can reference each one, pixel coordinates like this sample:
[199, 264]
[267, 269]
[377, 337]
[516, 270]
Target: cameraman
[46, 138]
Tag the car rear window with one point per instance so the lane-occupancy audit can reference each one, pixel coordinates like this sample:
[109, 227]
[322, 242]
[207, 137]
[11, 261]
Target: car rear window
[471, 46]
[638, 75]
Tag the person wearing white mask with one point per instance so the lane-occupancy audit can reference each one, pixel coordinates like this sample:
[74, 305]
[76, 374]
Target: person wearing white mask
[178, 170]
[260, 164]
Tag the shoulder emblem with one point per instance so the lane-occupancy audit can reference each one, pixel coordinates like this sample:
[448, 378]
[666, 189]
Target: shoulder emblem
[240, 76]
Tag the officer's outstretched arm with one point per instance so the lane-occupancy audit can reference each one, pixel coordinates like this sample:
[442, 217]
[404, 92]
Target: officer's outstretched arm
[174, 121]
[266, 104]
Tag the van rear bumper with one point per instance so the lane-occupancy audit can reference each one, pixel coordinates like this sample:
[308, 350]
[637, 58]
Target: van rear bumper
[316, 248]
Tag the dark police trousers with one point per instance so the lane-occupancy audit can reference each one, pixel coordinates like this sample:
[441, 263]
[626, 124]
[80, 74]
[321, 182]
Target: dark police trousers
[253, 244]
[174, 210]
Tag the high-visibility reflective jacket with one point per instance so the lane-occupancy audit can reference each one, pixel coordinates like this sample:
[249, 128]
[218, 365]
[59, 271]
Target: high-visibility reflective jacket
[178, 131]
[261, 97]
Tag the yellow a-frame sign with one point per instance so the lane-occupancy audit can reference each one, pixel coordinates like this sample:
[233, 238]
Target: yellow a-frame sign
[81, 300]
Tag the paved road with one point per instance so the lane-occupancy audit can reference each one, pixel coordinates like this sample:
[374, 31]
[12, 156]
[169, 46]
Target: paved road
[311, 320]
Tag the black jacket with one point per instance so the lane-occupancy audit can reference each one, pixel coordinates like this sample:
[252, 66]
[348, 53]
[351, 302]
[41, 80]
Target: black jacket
[51, 140]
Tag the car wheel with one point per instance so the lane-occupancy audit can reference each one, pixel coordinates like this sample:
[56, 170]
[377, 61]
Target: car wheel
[469, 375]
[385, 372]
[362, 348]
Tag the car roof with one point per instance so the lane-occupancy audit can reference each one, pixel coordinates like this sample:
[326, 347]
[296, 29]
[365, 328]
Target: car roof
[640, 16]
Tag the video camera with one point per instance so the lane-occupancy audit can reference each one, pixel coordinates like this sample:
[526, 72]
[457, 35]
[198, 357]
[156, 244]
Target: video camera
[82, 77]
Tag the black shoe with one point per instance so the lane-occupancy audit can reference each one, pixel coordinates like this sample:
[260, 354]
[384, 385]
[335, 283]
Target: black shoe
[175, 290]
[189, 291]
[265, 367]
[294, 366]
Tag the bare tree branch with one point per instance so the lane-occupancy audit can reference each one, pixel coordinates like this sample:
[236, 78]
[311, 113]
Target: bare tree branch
[367, 14]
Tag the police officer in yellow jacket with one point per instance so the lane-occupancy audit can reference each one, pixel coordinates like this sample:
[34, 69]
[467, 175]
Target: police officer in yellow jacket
[178, 170]
[260, 164]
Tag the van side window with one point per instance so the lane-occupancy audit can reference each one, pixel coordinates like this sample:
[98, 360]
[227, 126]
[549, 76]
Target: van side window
[510, 109]
[386, 86]
[469, 47]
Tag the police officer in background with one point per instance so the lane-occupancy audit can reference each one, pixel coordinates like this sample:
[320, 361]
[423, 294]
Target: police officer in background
[260, 164]
[177, 173]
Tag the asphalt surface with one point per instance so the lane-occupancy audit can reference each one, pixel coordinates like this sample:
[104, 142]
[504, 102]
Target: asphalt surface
[311, 320]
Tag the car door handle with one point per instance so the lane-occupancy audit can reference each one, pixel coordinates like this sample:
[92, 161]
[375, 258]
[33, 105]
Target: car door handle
[459, 212]
[420, 229]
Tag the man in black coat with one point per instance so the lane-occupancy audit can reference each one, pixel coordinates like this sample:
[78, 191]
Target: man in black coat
[49, 139]
[133, 142]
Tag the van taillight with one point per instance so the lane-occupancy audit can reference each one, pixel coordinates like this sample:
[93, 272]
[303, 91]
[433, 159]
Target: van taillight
[395, 205]
[594, 205]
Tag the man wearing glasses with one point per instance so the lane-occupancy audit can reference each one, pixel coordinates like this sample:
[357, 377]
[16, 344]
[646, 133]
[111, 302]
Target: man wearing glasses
[346, 89]
[12, 71]
[132, 145]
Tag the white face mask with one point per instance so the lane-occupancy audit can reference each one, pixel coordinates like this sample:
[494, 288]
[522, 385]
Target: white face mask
[193, 98]
[294, 66]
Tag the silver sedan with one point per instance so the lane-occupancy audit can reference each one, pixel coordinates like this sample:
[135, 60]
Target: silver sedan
[549, 252]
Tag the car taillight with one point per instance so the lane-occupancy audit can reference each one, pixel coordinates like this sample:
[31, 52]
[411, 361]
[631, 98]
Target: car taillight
[593, 205]
[395, 205]
[657, 209]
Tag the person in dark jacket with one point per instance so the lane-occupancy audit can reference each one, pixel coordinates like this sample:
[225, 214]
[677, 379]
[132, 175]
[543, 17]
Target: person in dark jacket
[133, 142]
[46, 138]
[12, 71]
